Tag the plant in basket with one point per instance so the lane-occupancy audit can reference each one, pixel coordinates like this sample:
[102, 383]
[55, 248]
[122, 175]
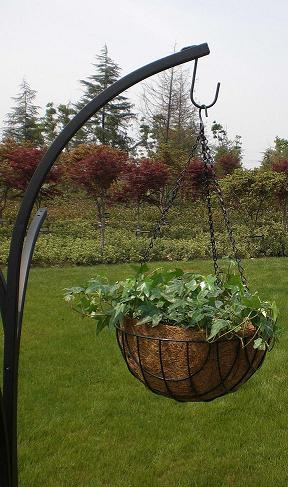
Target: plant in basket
[183, 335]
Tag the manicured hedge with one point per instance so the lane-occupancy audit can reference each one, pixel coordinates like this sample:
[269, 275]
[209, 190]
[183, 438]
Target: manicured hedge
[81, 246]
[71, 235]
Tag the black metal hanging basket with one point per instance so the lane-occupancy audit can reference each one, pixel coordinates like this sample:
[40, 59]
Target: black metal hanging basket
[180, 364]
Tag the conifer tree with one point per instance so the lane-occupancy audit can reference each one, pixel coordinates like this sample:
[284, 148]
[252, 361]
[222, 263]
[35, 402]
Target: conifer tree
[65, 112]
[54, 121]
[110, 125]
[49, 123]
[22, 123]
[64, 115]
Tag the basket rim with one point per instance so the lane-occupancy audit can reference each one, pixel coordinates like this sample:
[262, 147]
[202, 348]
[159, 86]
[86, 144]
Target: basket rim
[194, 339]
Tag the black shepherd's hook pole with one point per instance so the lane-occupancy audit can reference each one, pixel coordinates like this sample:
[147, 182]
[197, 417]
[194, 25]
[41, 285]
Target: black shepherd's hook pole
[13, 289]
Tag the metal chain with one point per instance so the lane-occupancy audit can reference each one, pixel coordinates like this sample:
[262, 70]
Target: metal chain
[211, 176]
[169, 201]
[207, 177]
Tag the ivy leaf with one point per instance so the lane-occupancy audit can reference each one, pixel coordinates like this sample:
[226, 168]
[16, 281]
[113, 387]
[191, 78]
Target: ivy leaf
[156, 319]
[143, 321]
[148, 309]
[74, 290]
[235, 284]
[144, 288]
[217, 326]
[259, 344]
[252, 302]
[69, 297]
[119, 312]
[192, 285]
[101, 324]
[196, 316]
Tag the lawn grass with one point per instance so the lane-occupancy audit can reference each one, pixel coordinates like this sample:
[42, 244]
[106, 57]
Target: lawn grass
[84, 421]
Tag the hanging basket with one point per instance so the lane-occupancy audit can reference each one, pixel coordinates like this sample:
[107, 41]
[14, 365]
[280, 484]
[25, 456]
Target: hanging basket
[179, 363]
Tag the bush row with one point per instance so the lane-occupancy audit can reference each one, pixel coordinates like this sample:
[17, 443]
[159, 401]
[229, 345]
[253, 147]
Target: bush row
[123, 246]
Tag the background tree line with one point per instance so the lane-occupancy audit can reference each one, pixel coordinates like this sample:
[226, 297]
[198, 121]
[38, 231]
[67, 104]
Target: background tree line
[120, 158]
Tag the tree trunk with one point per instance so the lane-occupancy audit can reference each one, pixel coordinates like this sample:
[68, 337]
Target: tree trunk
[169, 108]
[103, 117]
[3, 203]
[100, 204]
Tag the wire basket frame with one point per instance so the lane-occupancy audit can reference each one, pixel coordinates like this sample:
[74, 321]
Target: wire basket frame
[181, 364]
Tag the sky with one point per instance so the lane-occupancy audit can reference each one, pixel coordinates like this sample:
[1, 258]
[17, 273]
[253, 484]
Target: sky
[52, 44]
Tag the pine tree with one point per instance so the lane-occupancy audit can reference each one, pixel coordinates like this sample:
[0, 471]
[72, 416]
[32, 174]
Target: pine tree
[22, 123]
[56, 119]
[110, 125]
[49, 123]
[64, 115]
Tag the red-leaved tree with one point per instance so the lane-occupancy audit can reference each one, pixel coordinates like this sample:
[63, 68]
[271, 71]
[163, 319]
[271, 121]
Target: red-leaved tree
[5, 173]
[143, 181]
[227, 163]
[194, 180]
[23, 162]
[281, 166]
[96, 173]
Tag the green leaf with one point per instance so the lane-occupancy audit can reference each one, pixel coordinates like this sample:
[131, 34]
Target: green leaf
[252, 302]
[192, 285]
[101, 324]
[217, 326]
[259, 344]
[74, 290]
[156, 319]
[144, 320]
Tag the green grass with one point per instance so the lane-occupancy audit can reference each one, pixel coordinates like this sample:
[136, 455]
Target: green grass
[84, 421]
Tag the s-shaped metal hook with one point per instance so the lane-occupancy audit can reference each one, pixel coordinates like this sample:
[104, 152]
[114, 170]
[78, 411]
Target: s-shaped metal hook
[202, 107]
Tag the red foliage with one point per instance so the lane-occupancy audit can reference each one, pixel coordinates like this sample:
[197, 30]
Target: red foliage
[99, 170]
[281, 166]
[23, 162]
[194, 180]
[142, 179]
[226, 164]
